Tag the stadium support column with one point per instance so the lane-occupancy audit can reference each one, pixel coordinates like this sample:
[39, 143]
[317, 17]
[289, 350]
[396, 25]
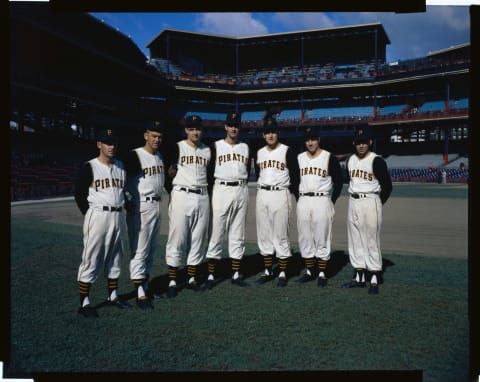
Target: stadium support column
[302, 54]
[376, 51]
[446, 134]
[237, 58]
[447, 97]
[167, 54]
[302, 109]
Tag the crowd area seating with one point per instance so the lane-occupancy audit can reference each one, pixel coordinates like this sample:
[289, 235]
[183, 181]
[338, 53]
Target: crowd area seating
[310, 73]
[31, 178]
[429, 175]
[35, 176]
[42, 181]
[428, 168]
[347, 114]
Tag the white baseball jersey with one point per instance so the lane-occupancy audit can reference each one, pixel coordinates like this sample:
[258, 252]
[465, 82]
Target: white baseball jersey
[103, 227]
[273, 166]
[362, 179]
[152, 179]
[314, 176]
[229, 201]
[231, 161]
[144, 220]
[192, 165]
[315, 212]
[108, 184]
[364, 214]
[189, 212]
[273, 206]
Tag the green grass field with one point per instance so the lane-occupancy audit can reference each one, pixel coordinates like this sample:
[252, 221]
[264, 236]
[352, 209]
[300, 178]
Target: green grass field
[419, 321]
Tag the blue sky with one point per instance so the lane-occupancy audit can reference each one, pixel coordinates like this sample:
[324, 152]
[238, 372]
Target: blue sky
[412, 35]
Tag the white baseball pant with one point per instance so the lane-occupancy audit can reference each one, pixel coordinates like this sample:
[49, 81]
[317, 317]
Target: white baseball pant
[188, 217]
[364, 224]
[229, 212]
[272, 218]
[314, 226]
[102, 244]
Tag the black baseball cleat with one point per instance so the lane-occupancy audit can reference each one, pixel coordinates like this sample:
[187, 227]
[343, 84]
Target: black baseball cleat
[87, 311]
[240, 282]
[118, 304]
[354, 284]
[322, 282]
[172, 292]
[209, 284]
[264, 279]
[144, 303]
[373, 289]
[305, 278]
[194, 286]
[282, 282]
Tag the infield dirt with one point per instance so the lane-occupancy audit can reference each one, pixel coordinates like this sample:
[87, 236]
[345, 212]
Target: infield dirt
[435, 227]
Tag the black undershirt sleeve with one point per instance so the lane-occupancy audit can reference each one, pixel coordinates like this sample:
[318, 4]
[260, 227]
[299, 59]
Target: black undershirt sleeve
[211, 168]
[294, 171]
[335, 171]
[82, 184]
[171, 159]
[381, 173]
[132, 164]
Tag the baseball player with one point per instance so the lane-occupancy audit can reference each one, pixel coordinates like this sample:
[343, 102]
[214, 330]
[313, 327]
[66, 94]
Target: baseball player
[277, 169]
[369, 187]
[189, 207]
[229, 201]
[145, 169]
[321, 182]
[99, 194]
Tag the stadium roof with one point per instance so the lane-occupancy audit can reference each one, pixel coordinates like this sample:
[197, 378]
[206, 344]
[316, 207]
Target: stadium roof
[454, 49]
[80, 29]
[295, 35]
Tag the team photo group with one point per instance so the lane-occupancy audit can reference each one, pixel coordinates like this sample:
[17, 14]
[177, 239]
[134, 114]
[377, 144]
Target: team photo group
[208, 190]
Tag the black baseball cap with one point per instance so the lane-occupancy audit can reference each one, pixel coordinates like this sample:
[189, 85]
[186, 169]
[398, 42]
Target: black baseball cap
[233, 119]
[270, 125]
[107, 135]
[362, 135]
[193, 121]
[154, 126]
[312, 134]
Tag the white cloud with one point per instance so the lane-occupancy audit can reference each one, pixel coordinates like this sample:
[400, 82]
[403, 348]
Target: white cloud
[303, 20]
[412, 35]
[237, 24]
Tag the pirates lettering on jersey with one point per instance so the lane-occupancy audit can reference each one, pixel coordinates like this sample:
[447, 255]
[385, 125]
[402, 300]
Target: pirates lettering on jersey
[105, 183]
[314, 171]
[272, 163]
[232, 157]
[193, 159]
[153, 170]
[357, 173]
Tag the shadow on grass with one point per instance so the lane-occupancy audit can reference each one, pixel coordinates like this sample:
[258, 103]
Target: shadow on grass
[251, 265]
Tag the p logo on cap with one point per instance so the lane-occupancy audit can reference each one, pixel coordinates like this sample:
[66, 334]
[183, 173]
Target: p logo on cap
[107, 135]
[193, 121]
[233, 119]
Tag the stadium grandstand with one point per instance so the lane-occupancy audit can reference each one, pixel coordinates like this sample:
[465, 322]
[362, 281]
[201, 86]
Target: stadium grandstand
[71, 73]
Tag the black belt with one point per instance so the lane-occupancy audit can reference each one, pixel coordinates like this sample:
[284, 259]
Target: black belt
[152, 198]
[313, 193]
[358, 196]
[112, 209]
[271, 188]
[190, 190]
[230, 183]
